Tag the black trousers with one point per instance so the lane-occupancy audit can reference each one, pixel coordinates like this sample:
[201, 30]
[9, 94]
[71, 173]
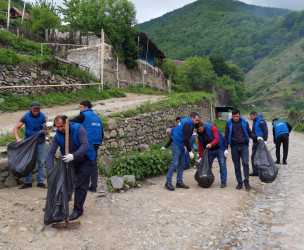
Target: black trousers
[284, 138]
[94, 172]
[83, 173]
[255, 169]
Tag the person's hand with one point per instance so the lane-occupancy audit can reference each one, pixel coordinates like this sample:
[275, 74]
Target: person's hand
[18, 139]
[162, 148]
[208, 146]
[265, 142]
[260, 138]
[191, 155]
[226, 153]
[68, 158]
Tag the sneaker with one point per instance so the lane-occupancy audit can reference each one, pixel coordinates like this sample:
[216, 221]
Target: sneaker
[169, 187]
[223, 184]
[247, 186]
[182, 185]
[26, 185]
[284, 163]
[41, 185]
[239, 186]
[92, 189]
[277, 162]
[253, 174]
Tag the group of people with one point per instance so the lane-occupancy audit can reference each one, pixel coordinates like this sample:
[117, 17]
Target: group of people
[237, 136]
[85, 136]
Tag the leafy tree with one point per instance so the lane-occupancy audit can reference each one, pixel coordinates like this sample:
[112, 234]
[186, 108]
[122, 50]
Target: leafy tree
[169, 68]
[243, 57]
[219, 65]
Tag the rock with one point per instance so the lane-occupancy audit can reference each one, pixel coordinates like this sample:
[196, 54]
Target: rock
[23, 229]
[117, 182]
[1, 100]
[49, 233]
[143, 148]
[226, 241]
[10, 181]
[33, 75]
[3, 164]
[5, 174]
[130, 179]
[112, 125]
[32, 239]
[113, 133]
[121, 132]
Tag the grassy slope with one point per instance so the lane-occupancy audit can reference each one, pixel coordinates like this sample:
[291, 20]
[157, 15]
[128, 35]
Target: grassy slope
[282, 72]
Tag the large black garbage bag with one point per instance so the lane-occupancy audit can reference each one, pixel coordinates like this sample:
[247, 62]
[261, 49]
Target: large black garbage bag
[22, 155]
[268, 171]
[60, 190]
[204, 175]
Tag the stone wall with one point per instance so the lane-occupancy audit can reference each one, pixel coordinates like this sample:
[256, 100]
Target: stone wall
[31, 76]
[144, 74]
[125, 134]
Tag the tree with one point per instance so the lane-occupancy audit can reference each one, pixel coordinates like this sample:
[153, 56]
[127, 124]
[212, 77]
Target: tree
[219, 65]
[170, 69]
[243, 57]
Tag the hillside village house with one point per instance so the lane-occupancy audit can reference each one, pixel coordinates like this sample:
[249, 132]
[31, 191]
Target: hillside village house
[16, 13]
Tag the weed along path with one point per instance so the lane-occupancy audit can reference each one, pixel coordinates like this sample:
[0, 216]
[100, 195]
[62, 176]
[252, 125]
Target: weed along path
[103, 107]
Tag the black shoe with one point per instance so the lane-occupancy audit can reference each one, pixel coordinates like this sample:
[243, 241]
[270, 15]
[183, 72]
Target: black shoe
[41, 185]
[169, 187]
[247, 186]
[223, 184]
[43, 209]
[239, 186]
[253, 174]
[92, 189]
[74, 215]
[26, 185]
[277, 162]
[284, 163]
[182, 185]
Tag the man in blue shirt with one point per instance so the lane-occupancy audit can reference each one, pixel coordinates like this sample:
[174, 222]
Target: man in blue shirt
[281, 130]
[181, 139]
[33, 121]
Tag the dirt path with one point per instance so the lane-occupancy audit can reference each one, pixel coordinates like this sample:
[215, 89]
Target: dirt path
[104, 107]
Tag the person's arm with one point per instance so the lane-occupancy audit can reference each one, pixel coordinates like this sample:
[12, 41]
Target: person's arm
[51, 154]
[16, 129]
[265, 130]
[250, 133]
[200, 148]
[215, 136]
[187, 136]
[84, 144]
[169, 143]
[289, 127]
[78, 119]
[226, 136]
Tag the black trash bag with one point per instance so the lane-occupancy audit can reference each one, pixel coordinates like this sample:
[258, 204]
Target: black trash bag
[60, 189]
[268, 171]
[22, 155]
[204, 175]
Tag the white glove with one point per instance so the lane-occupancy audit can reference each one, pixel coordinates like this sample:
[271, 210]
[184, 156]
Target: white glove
[68, 158]
[191, 155]
[265, 142]
[162, 148]
[226, 153]
[260, 138]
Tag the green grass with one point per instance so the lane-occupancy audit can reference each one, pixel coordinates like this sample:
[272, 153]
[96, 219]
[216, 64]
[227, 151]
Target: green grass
[9, 137]
[171, 101]
[14, 102]
[144, 90]
[220, 125]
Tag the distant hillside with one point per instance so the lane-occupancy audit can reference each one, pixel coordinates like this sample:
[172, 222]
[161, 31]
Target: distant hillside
[226, 27]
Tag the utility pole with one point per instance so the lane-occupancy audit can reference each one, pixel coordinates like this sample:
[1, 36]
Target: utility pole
[8, 14]
[101, 60]
[23, 13]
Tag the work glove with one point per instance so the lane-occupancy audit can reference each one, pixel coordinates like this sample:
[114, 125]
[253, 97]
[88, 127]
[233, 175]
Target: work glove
[162, 148]
[68, 158]
[260, 138]
[191, 155]
[265, 142]
[226, 153]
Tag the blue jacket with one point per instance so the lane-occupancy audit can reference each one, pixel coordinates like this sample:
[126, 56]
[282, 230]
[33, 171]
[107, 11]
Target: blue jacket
[208, 127]
[33, 124]
[280, 127]
[178, 132]
[74, 127]
[244, 125]
[257, 128]
[93, 125]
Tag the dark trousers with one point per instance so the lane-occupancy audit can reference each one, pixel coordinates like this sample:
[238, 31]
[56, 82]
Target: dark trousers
[254, 149]
[83, 173]
[284, 138]
[94, 172]
[238, 153]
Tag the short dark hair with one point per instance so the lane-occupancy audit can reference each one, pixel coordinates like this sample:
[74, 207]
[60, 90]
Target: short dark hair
[236, 112]
[63, 118]
[178, 118]
[193, 114]
[254, 113]
[199, 124]
[274, 120]
[86, 104]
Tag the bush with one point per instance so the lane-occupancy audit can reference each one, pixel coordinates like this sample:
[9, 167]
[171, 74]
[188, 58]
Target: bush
[9, 57]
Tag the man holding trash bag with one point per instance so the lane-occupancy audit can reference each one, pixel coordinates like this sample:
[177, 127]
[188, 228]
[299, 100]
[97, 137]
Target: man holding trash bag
[33, 121]
[237, 134]
[81, 154]
[211, 138]
[259, 128]
[281, 130]
[181, 140]
[93, 125]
